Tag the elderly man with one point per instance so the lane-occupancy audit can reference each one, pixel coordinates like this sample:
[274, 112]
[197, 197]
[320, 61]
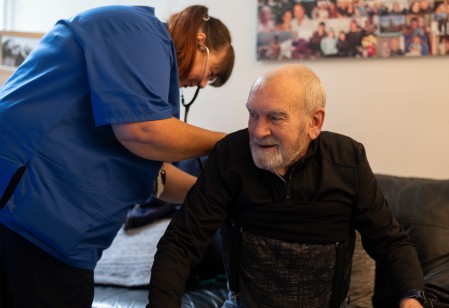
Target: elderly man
[289, 198]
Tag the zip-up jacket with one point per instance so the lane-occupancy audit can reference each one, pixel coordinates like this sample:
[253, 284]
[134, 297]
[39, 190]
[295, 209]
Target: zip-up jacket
[323, 198]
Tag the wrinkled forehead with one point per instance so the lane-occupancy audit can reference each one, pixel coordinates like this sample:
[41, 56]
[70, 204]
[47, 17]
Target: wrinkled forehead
[275, 93]
[282, 83]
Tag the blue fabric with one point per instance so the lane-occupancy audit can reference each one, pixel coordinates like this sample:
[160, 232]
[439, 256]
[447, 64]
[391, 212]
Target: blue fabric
[107, 65]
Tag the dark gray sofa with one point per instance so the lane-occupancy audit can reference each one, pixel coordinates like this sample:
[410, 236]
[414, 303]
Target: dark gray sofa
[421, 206]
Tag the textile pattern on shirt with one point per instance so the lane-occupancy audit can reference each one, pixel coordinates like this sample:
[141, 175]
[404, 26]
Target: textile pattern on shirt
[276, 273]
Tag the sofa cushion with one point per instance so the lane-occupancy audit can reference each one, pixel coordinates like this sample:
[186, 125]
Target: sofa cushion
[422, 207]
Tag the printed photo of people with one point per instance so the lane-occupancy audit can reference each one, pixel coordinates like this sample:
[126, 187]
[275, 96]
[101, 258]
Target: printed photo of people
[317, 29]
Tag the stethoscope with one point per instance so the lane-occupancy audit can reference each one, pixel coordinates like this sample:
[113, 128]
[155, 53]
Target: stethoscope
[198, 86]
[186, 112]
[187, 105]
[195, 95]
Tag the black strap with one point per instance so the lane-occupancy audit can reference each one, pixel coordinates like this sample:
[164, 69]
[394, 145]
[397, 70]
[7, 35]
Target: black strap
[12, 186]
[231, 237]
[341, 264]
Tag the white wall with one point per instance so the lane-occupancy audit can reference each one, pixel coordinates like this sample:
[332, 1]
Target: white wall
[398, 108]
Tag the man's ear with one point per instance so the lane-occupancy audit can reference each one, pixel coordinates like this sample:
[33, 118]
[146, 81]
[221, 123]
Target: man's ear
[200, 38]
[316, 122]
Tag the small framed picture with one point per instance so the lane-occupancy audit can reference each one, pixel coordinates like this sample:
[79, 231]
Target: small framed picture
[16, 46]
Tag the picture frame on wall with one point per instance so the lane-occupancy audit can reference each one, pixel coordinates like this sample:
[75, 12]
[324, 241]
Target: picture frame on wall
[318, 29]
[16, 46]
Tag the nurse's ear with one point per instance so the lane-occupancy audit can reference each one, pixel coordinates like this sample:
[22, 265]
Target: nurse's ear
[200, 38]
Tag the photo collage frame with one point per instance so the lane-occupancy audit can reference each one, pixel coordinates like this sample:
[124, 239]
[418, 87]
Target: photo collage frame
[317, 29]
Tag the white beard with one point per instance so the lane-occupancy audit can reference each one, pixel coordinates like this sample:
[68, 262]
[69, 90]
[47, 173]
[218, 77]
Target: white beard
[277, 157]
[267, 159]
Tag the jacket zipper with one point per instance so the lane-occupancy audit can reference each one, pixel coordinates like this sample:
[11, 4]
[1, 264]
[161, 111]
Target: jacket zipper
[287, 184]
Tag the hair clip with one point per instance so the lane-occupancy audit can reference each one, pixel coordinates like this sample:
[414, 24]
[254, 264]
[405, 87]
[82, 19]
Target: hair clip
[206, 18]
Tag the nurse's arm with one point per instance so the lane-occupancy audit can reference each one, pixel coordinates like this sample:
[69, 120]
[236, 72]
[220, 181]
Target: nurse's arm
[166, 140]
[177, 184]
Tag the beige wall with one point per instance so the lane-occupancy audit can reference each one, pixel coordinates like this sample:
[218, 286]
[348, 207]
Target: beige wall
[5, 72]
[398, 108]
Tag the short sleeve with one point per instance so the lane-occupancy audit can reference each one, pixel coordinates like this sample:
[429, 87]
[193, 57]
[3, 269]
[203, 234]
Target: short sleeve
[129, 76]
[130, 63]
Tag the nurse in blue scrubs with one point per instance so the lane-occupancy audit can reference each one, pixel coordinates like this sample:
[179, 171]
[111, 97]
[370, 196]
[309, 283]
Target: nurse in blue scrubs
[85, 123]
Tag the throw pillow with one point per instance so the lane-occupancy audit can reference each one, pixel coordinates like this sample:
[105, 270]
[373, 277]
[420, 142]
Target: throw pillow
[128, 261]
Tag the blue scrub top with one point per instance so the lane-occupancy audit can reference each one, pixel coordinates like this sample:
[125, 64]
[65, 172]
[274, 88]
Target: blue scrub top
[108, 65]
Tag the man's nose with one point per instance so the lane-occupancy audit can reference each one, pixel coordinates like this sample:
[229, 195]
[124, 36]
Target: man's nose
[261, 128]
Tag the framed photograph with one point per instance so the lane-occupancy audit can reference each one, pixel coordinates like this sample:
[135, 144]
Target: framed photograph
[16, 46]
[318, 29]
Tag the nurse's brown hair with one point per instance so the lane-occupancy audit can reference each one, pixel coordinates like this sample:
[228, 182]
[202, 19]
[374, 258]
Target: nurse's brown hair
[184, 27]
